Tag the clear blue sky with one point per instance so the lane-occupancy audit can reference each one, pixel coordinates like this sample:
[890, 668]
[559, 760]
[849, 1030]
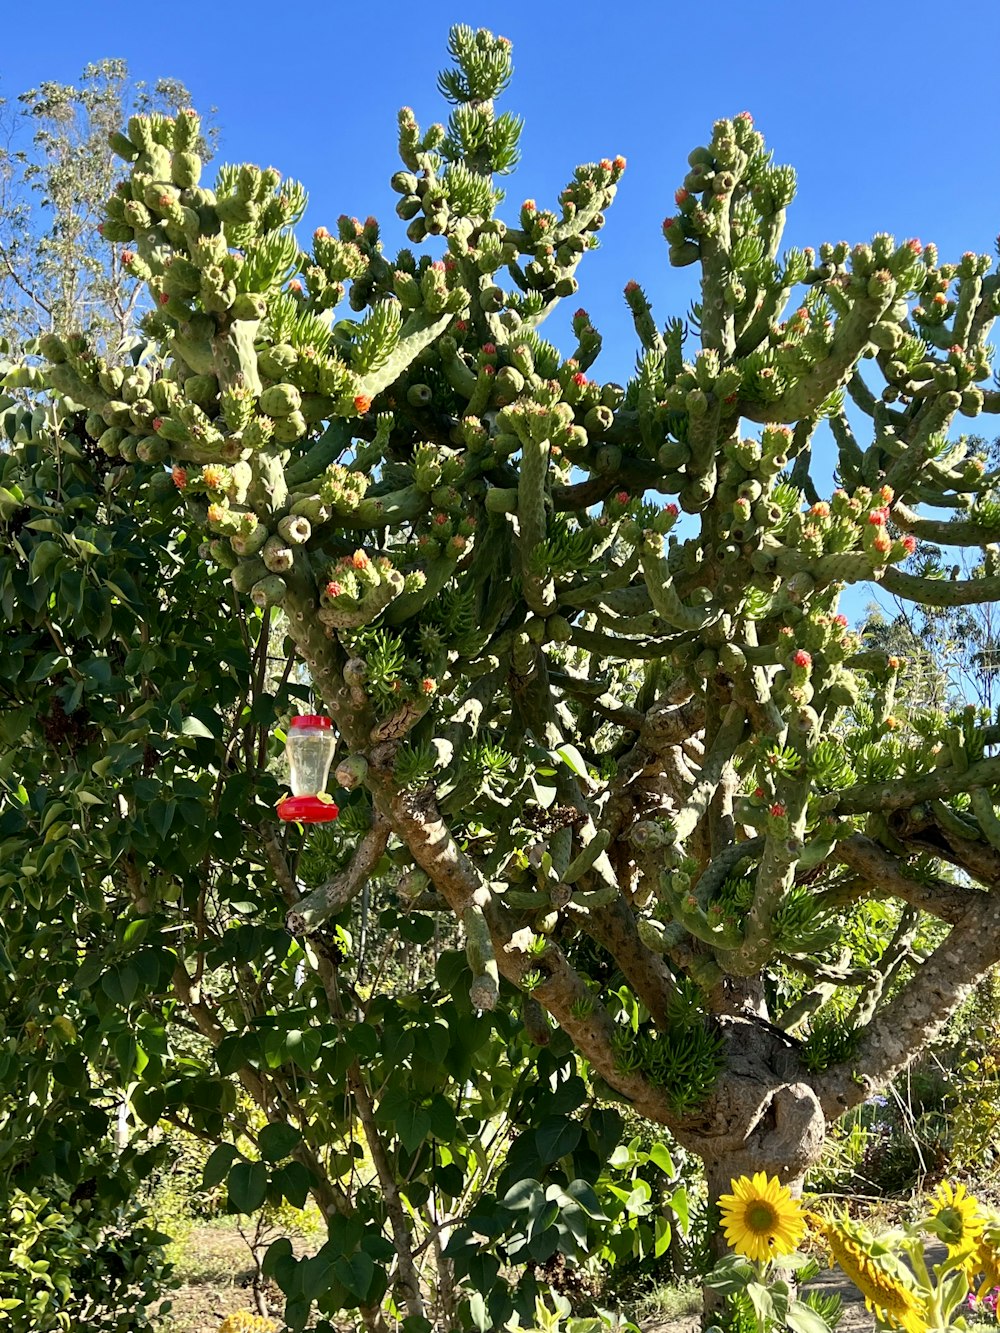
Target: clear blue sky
[888, 111]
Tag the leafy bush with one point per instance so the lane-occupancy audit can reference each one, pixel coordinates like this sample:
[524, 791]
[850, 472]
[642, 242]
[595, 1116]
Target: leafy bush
[72, 1261]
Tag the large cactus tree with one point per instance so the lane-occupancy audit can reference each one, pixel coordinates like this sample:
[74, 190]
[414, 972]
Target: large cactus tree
[581, 643]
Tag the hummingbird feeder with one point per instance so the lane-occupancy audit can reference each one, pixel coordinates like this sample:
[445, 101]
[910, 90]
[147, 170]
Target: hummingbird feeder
[310, 746]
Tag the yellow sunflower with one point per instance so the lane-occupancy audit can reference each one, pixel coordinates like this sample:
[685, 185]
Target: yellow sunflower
[886, 1296]
[985, 1262]
[959, 1217]
[760, 1217]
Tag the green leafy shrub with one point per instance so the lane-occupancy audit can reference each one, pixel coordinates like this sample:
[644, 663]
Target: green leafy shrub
[68, 1261]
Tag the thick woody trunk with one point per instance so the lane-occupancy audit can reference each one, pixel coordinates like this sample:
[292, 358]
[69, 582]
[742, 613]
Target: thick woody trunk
[759, 1117]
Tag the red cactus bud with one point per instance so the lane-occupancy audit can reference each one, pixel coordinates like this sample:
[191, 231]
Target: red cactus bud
[891, 724]
[914, 245]
[777, 810]
[127, 257]
[320, 234]
[909, 543]
[939, 299]
[529, 206]
[580, 379]
[671, 509]
[157, 423]
[488, 370]
[840, 621]
[631, 286]
[878, 517]
[887, 494]
[333, 588]
[744, 115]
[180, 477]
[362, 404]
[758, 792]
[893, 663]
[359, 560]
[619, 163]
[681, 196]
[461, 326]
[440, 519]
[295, 285]
[882, 544]
[163, 298]
[428, 686]
[802, 658]
[605, 164]
[623, 497]
[489, 349]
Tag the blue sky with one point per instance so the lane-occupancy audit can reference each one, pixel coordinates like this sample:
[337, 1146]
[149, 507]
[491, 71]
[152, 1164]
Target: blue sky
[886, 110]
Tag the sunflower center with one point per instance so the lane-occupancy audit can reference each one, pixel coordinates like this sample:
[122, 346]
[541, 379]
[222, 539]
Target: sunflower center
[760, 1217]
[954, 1224]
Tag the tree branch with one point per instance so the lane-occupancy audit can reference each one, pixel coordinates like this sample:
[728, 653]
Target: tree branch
[919, 1011]
[886, 875]
[312, 910]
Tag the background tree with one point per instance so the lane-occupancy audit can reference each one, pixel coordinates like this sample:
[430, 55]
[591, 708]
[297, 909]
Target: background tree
[464, 533]
[56, 172]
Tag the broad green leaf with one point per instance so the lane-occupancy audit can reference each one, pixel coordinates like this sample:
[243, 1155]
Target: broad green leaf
[556, 1137]
[247, 1186]
[192, 726]
[277, 1140]
[801, 1318]
[356, 1273]
[660, 1156]
[218, 1164]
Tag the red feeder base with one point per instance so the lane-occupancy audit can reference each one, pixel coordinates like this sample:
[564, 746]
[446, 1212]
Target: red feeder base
[307, 810]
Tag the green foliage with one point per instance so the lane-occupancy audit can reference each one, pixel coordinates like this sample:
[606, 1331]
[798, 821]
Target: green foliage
[80, 1254]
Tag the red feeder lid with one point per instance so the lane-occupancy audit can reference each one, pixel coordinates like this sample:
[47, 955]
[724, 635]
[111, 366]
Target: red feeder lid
[307, 810]
[311, 722]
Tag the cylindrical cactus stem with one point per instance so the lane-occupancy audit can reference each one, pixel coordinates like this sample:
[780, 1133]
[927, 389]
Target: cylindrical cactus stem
[269, 591]
[278, 557]
[295, 529]
[485, 989]
[584, 862]
[247, 573]
[351, 772]
[247, 544]
[538, 587]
